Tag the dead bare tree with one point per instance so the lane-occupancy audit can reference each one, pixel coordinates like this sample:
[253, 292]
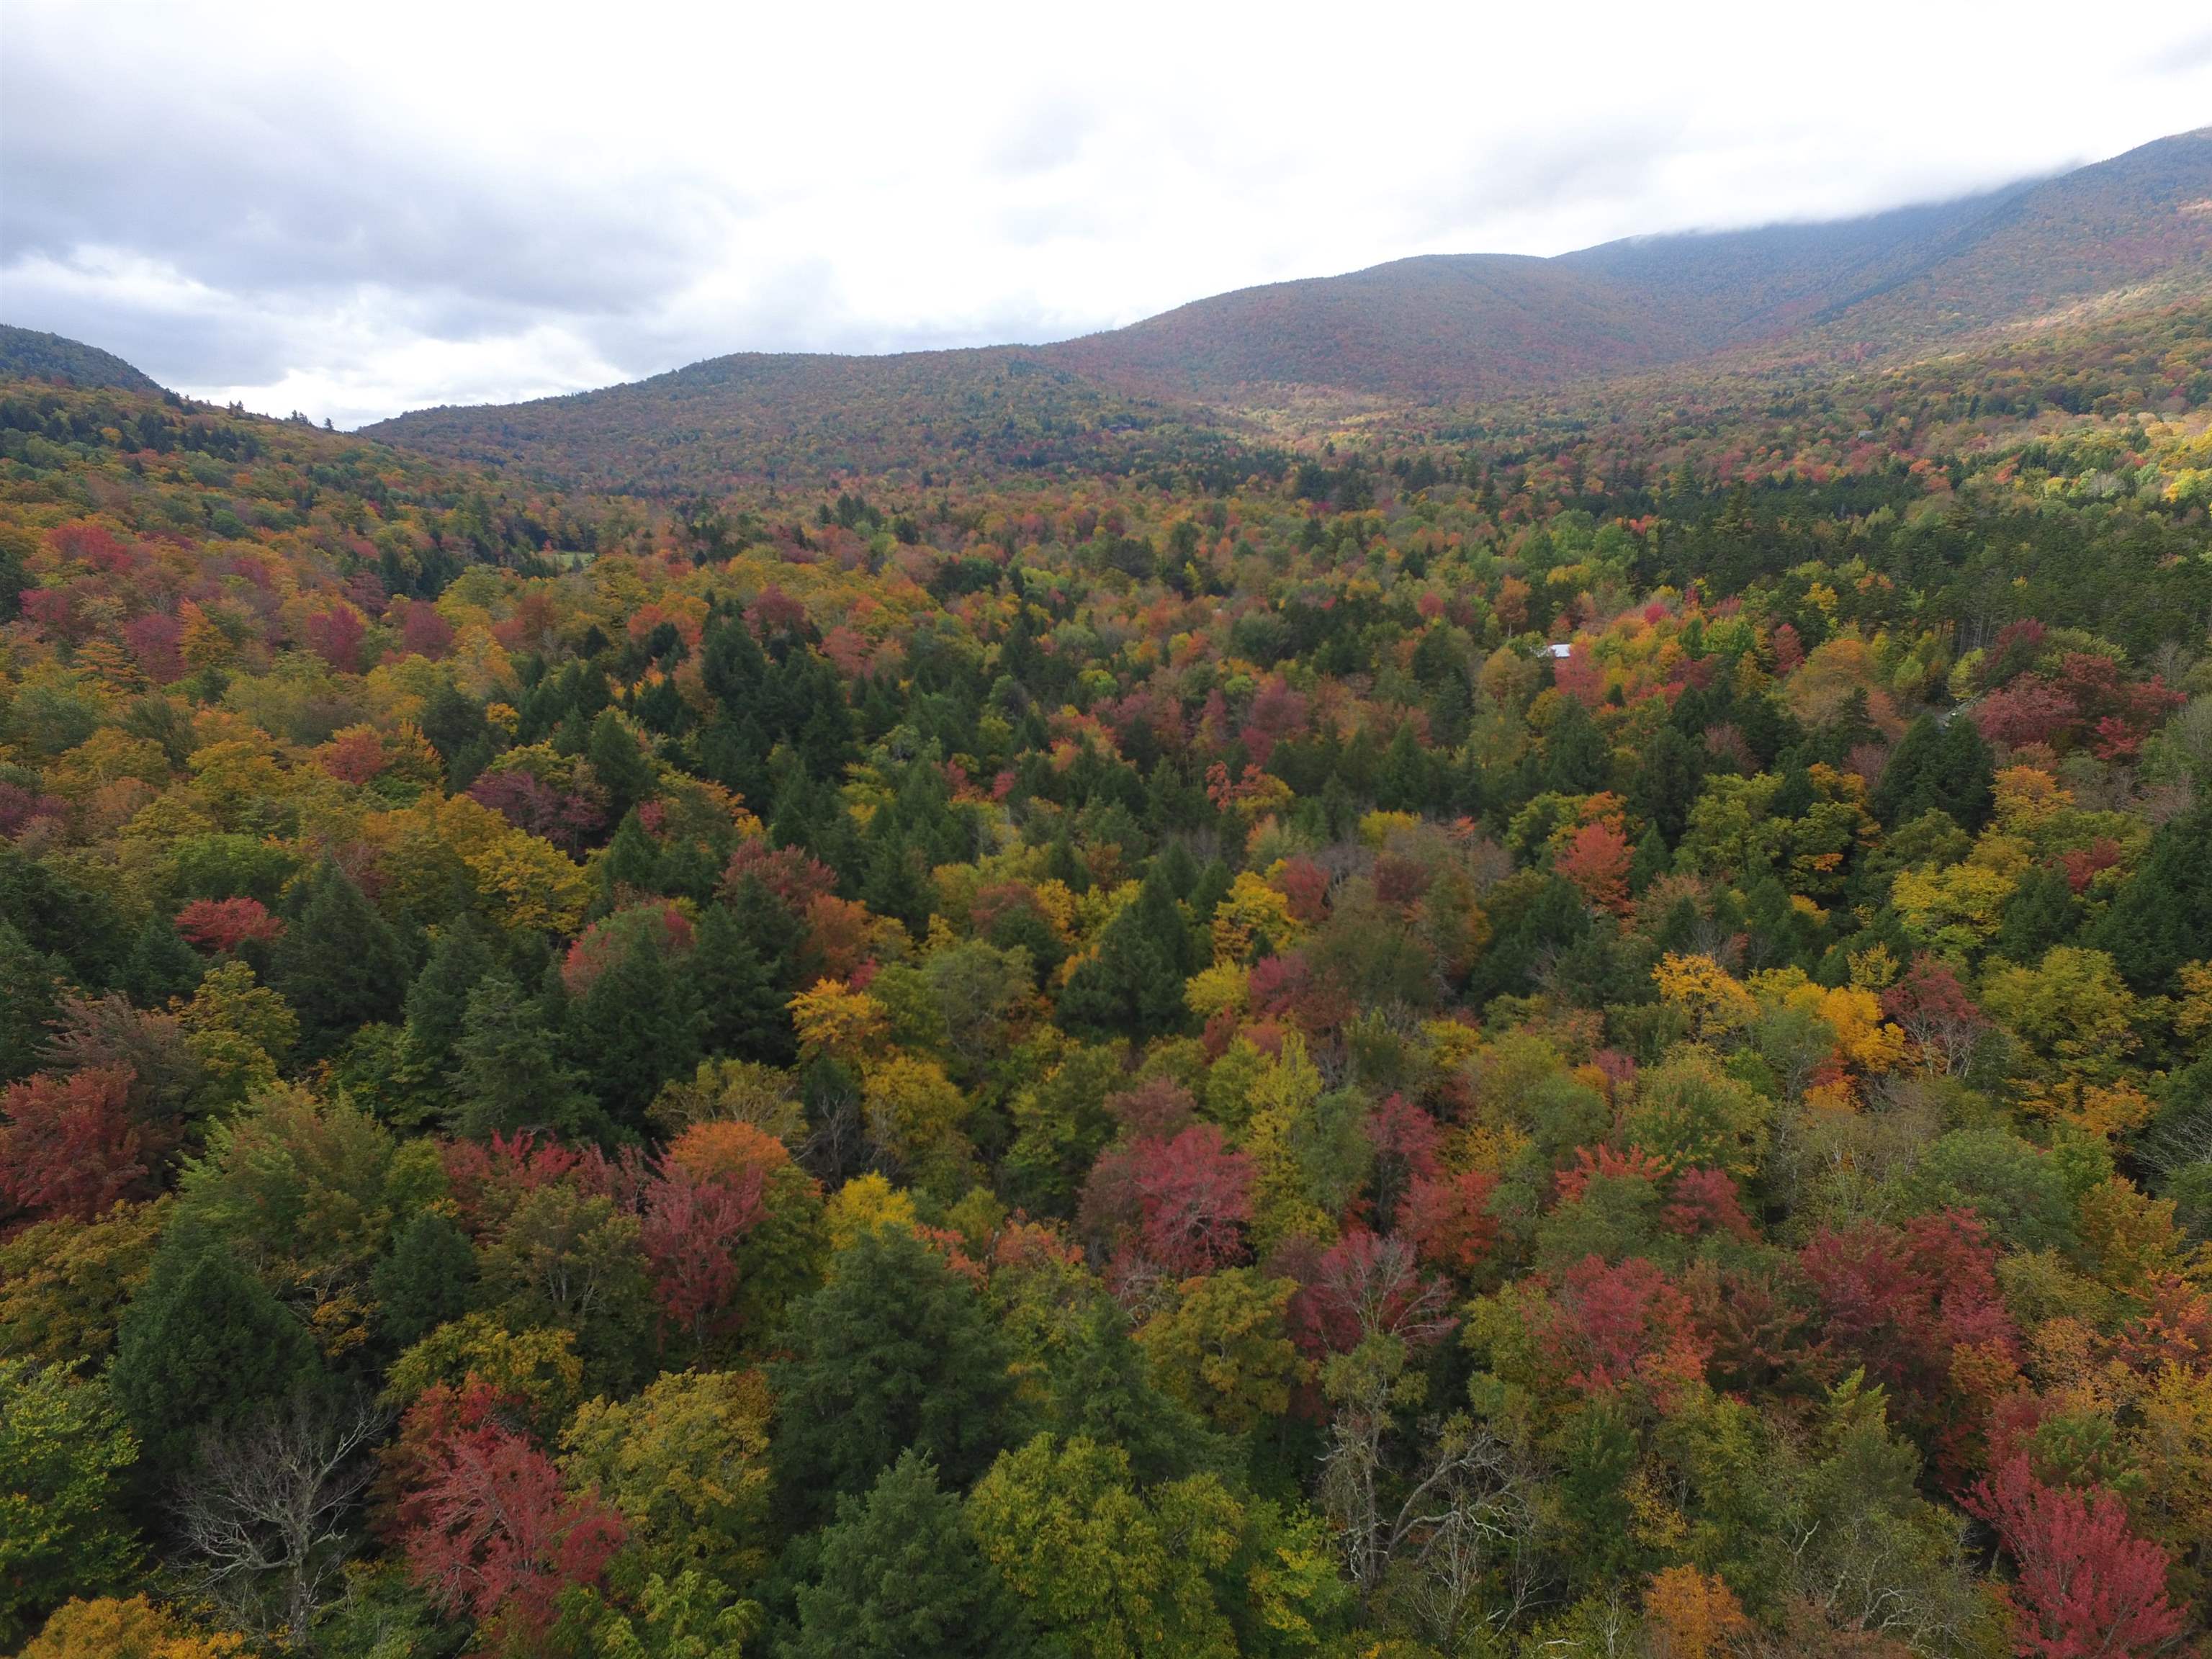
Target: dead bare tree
[1463, 1515]
[1468, 1521]
[838, 1144]
[265, 1513]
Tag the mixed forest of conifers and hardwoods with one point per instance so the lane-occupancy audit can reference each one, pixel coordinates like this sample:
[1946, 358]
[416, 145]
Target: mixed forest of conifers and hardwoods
[979, 1011]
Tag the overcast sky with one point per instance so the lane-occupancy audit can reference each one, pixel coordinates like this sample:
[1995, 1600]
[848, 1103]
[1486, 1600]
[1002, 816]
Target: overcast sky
[356, 210]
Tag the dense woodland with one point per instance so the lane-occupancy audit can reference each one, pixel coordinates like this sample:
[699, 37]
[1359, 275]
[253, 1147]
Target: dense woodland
[1576, 1031]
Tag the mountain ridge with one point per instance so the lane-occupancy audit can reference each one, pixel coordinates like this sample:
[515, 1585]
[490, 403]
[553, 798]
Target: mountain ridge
[1435, 330]
[1641, 302]
[1440, 330]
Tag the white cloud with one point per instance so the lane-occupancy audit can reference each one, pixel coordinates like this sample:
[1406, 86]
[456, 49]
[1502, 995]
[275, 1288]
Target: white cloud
[358, 209]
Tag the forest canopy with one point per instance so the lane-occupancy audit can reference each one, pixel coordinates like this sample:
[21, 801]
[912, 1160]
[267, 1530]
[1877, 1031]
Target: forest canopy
[1567, 1029]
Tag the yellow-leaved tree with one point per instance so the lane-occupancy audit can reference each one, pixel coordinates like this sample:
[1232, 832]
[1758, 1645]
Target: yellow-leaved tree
[834, 1020]
[1714, 1001]
[106, 1628]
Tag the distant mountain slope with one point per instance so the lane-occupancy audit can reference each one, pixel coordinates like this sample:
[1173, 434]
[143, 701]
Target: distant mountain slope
[1444, 325]
[1447, 330]
[1475, 326]
[1728, 287]
[996, 409]
[2143, 218]
[27, 354]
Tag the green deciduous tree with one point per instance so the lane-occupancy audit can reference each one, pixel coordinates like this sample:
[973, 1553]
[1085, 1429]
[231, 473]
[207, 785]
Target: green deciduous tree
[63, 1284]
[686, 1462]
[2020, 1190]
[1223, 1348]
[62, 1446]
[1689, 1110]
[571, 1258]
[1109, 1570]
[305, 1188]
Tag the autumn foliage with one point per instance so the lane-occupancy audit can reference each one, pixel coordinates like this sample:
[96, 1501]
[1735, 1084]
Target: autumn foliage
[487, 1528]
[1075, 1028]
[2087, 1585]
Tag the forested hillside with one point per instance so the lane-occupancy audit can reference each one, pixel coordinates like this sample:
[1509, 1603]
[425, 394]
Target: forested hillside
[1574, 1028]
[27, 354]
[919, 416]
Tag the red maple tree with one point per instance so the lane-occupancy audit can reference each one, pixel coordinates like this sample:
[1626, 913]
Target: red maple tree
[1596, 859]
[1361, 1285]
[1193, 1197]
[1449, 1220]
[2088, 1587]
[1938, 1016]
[224, 925]
[488, 1530]
[68, 1146]
[1906, 1303]
[689, 1230]
[1618, 1324]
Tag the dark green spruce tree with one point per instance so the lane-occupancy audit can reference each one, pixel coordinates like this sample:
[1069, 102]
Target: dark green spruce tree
[507, 1073]
[896, 1350]
[899, 1575]
[744, 1005]
[161, 965]
[339, 963]
[428, 1277]
[634, 1028]
[1937, 768]
[201, 1346]
[438, 1001]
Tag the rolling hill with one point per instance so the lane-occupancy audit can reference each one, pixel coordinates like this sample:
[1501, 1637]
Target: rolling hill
[1458, 327]
[797, 417]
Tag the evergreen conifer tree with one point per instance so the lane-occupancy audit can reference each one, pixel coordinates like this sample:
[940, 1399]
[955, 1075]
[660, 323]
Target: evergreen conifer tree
[739, 992]
[635, 1028]
[201, 1345]
[618, 762]
[339, 964]
[161, 965]
[507, 1075]
[439, 998]
[895, 1351]
[899, 1574]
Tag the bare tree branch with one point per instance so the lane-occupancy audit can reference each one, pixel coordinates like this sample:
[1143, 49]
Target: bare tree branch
[264, 1512]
